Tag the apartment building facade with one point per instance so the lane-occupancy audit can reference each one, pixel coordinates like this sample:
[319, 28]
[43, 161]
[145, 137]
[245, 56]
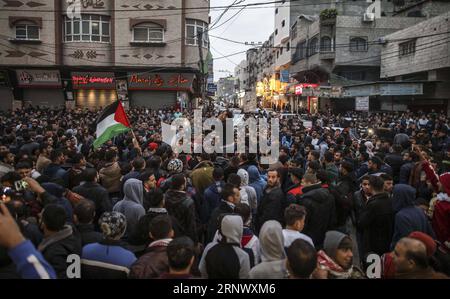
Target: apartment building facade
[90, 53]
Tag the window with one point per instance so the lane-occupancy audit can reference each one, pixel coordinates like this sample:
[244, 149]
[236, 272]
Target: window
[27, 32]
[325, 44]
[313, 46]
[407, 48]
[283, 23]
[90, 28]
[194, 30]
[276, 31]
[276, 10]
[281, 50]
[148, 33]
[358, 44]
[288, 46]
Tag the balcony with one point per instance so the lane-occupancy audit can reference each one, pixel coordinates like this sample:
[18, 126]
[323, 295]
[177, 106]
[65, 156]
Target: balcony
[327, 55]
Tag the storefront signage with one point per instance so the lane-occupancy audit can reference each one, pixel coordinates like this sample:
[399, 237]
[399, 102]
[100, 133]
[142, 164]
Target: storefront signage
[84, 80]
[362, 103]
[384, 89]
[160, 81]
[38, 78]
[284, 76]
[300, 87]
[401, 89]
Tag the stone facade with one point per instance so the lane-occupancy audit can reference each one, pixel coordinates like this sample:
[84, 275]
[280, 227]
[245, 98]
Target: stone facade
[120, 51]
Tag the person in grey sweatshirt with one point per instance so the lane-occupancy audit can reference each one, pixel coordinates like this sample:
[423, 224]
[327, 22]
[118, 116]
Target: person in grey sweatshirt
[273, 265]
[223, 258]
[132, 203]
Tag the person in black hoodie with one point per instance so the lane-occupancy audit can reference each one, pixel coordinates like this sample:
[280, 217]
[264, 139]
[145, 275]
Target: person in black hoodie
[376, 221]
[83, 217]
[230, 197]
[321, 208]
[273, 202]
[59, 240]
[181, 206]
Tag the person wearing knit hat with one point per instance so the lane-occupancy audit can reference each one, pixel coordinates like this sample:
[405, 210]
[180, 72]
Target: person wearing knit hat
[113, 225]
[175, 166]
[411, 259]
[153, 146]
[107, 259]
[336, 259]
[428, 241]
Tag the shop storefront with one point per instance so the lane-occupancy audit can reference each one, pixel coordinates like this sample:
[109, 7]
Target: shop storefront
[41, 88]
[159, 90]
[304, 101]
[94, 89]
[6, 94]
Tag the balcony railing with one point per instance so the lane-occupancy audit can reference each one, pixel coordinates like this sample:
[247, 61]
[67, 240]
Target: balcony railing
[327, 54]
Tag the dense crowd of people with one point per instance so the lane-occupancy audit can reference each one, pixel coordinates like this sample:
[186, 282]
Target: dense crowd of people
[349, 186]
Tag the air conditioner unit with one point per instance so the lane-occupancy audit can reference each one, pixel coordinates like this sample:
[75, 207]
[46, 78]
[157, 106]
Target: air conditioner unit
[369, 17]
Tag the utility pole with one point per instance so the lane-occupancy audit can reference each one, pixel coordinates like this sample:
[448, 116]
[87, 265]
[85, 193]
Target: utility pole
[202, 66]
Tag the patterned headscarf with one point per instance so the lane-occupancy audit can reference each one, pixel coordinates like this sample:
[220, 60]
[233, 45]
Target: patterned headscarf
[113, 225]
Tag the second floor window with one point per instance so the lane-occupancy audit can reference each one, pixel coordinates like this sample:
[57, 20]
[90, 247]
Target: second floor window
[195, 30]
[325, 44]
[90, 28]
[407, 48]
[358, 44]
[313, 46]
[148, 33]
[27, 32]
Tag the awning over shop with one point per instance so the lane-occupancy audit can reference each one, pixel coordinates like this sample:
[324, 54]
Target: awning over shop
[394, 88]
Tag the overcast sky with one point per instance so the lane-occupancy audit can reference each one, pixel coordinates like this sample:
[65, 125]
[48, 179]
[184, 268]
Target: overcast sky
[249, 25]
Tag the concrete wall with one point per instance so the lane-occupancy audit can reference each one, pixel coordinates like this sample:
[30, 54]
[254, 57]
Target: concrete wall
[119, 52]
[344, 7]
[42, 54]
[432, 52]
[428, 9]
[353, 26]
[149, 56]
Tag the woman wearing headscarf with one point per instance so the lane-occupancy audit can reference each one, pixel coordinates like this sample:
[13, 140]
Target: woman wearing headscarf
[107, 259]
[408, 218]
[132, 203]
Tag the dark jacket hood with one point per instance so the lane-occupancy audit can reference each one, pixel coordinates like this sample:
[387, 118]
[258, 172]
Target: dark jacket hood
[403, 196]
[174, 196]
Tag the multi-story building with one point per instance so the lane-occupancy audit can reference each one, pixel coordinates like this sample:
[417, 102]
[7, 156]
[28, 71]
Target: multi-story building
[337, 51]
[418, 60]
[144, 53]
[225, 89]
[415, 63]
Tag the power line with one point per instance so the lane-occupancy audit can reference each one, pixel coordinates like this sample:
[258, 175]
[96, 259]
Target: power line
[377, 42]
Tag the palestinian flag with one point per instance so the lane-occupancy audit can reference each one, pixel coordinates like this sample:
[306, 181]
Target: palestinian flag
[112, 121]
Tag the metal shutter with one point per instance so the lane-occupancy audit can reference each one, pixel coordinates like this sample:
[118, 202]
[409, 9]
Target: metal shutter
[153, 99]
[95, 98]
[6, 98]
[52, 98]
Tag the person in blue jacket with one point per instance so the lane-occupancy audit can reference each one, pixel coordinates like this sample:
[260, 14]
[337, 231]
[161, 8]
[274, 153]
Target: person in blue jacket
[29, 262]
